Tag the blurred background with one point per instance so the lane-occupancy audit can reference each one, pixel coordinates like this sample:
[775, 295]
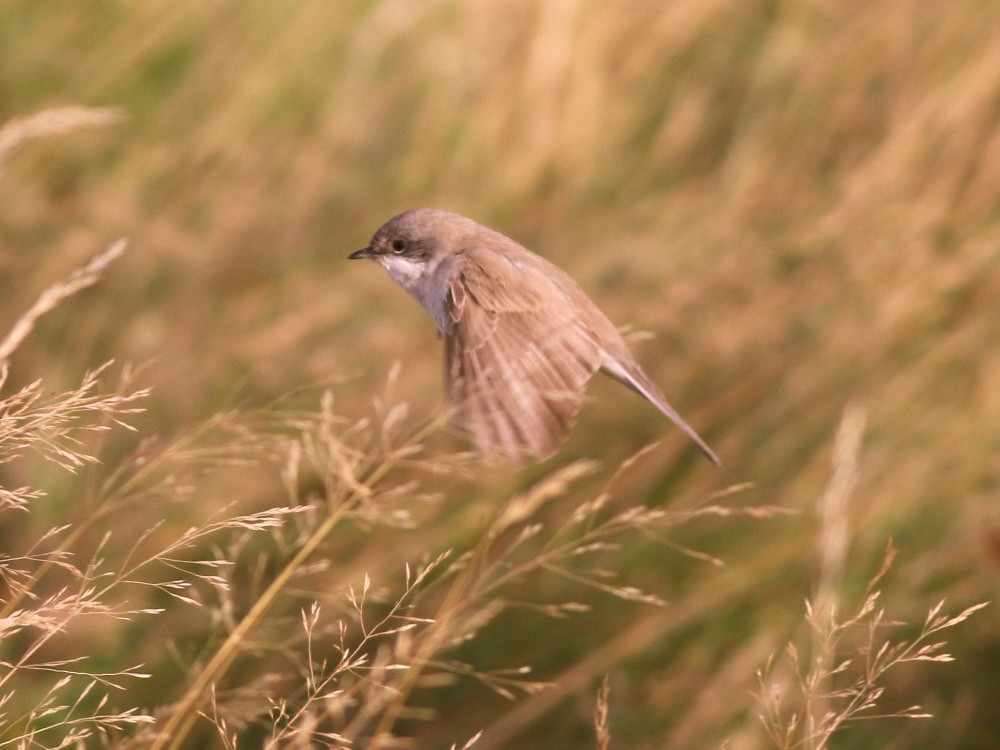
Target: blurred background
[800, 201]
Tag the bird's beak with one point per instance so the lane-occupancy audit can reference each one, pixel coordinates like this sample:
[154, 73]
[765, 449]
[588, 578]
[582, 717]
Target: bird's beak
[365, 252]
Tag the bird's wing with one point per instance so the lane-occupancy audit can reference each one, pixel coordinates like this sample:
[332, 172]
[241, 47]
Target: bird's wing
[517, 357]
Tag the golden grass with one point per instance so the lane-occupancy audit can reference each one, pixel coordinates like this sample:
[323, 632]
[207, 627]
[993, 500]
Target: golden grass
[801, 200]
[841, 678]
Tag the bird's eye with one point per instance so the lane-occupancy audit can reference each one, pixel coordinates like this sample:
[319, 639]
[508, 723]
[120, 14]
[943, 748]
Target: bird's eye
[398, 246]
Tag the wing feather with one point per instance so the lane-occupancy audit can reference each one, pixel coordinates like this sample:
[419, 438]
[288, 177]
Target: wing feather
[518, 358]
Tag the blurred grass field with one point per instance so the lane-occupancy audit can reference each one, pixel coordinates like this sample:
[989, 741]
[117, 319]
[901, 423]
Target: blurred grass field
[800, 200]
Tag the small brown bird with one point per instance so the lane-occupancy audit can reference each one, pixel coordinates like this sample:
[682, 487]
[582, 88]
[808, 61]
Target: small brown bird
[521, 338]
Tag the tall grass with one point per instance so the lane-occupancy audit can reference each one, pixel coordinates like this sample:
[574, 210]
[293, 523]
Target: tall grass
[351, 679]
[347, 680]
[799, 199]
[841, 677]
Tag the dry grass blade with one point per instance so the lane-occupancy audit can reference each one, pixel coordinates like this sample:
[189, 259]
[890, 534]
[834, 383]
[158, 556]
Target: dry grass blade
[471, 741]
[834, 541]
[833, 511]
[51, 122]
[527, 504]
[601, 723]
[83, 277]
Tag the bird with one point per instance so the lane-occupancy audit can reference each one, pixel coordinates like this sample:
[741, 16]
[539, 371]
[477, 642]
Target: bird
[521, 339]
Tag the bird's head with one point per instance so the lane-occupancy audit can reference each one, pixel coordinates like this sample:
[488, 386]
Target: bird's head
[411, 245]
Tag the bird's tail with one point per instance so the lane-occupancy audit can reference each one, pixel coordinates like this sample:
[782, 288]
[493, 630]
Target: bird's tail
[631, 374]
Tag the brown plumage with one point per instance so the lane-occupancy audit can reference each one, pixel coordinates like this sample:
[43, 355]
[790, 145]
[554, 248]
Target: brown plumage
[521, 338]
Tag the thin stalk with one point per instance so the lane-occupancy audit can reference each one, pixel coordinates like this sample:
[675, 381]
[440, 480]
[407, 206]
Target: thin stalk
[176, 728]
[182, 718]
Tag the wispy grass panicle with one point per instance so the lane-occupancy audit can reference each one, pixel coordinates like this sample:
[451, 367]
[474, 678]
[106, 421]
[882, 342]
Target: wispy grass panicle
[810, 694]
[40, 430]
[365, 470]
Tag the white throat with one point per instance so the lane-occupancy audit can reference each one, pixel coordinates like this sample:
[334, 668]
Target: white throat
[423, 281]
[404, 271]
